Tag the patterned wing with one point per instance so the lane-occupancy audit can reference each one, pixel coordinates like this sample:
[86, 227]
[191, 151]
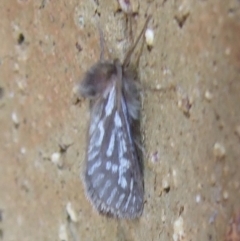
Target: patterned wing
[113, 178]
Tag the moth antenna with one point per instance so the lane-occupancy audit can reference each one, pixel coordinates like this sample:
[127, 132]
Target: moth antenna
[128, 55]
[102, 46]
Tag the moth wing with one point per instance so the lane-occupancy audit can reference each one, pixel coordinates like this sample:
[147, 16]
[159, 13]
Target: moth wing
[113, 176]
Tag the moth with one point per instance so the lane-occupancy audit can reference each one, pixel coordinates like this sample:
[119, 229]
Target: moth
[113, 176]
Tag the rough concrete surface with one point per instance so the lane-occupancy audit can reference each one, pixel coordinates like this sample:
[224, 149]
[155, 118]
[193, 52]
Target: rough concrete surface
[190, 118]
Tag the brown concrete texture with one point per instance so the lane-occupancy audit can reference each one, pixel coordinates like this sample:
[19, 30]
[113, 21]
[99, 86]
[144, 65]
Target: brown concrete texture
[190, 118]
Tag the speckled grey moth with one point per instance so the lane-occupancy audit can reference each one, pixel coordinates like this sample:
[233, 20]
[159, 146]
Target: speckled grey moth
[113, 176]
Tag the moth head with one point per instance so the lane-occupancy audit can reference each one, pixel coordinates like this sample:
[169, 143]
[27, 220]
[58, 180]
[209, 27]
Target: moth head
[97, 79]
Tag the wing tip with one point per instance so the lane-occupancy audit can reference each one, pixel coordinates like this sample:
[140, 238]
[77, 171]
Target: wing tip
[104, 209]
